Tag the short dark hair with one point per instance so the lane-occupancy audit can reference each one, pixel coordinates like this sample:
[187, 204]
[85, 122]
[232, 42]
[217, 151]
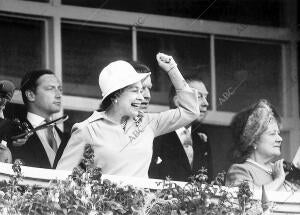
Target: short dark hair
[172, 91]
[139, 67]
[241, 150]
[29, 81]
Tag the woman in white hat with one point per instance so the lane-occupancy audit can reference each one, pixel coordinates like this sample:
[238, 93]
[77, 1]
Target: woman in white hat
[120, 134]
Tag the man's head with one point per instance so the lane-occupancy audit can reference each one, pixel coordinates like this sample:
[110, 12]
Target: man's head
[147, 84]
[41, 92]
[196, 83]
[7, 89]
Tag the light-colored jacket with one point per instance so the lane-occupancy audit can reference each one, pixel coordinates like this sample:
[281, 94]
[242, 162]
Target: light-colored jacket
[255, 176]
[126, 153]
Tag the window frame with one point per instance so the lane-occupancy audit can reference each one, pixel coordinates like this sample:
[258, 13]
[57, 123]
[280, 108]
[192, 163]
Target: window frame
[54, 14]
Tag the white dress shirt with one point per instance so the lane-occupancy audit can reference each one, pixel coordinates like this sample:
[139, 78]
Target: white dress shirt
[185, 138]
[1, 115]
[36, 120]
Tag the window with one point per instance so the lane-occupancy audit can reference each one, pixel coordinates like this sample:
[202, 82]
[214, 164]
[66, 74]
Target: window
[190, 52]
[257, 12]
[246, 72]
[21, 47]
[86, 51]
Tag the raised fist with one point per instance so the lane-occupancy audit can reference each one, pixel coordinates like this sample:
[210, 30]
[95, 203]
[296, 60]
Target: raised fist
[166, 62]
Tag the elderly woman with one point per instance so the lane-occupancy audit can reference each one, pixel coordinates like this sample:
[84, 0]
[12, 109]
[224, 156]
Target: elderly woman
[257, 143]
[120, 134]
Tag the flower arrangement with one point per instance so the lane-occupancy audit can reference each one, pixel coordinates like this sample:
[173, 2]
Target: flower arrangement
[85, 192]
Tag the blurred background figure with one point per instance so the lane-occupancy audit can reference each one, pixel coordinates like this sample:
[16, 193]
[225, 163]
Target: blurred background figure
[147, 84]
[257, 144]
[7, 127]
[182, 153]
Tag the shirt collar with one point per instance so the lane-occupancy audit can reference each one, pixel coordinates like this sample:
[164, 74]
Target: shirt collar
[269, 171]
[102, 115]
[34, 119]
[179, 131]
[97, 115]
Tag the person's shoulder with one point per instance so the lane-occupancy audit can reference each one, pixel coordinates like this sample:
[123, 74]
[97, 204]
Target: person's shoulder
[237, 173]
[244, 165]
[91, 119]
[239, 168]
[162, 138]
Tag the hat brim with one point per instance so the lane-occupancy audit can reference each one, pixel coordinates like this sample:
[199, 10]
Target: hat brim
[137, 78]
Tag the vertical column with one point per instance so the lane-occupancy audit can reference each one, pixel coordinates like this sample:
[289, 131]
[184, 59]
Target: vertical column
[285, 68]
[213, 73]
[53, 46]
[134, 43]
[293, 104]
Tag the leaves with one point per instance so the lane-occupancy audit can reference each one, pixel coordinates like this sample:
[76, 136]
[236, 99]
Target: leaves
[86, 193]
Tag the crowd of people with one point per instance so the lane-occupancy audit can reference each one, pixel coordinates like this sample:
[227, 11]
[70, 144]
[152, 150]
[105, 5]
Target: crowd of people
[128, 140]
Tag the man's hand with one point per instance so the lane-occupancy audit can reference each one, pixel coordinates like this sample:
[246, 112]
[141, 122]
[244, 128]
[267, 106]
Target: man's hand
[19, 142]
[166, 62]
[5, 154]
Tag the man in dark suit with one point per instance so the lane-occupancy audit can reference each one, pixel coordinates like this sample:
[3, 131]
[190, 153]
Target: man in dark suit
[182, 153]
[41, 93]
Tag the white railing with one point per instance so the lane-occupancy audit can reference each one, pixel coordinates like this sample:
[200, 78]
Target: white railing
[284, 202]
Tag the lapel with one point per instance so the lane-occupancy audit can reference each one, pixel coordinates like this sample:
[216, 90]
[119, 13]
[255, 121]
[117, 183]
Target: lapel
[197, 143]
[64, 140]
[36, 149]
[201, 152]
[185, 160]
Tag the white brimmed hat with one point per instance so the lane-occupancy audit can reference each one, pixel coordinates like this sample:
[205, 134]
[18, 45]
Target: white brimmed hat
[118, 75]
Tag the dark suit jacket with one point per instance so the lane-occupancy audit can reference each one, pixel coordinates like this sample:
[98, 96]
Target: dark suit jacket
[175, 163]
[8, 128]
[33, 154]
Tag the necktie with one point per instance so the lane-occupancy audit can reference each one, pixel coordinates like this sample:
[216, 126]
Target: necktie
[51, 138]
[188, 145]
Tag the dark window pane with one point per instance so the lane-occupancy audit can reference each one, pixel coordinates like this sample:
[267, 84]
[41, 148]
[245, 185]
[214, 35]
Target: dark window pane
[246, 72]
[86, 50]
[74, 117]
[191, 54]
[258, 12]
[21, 46]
